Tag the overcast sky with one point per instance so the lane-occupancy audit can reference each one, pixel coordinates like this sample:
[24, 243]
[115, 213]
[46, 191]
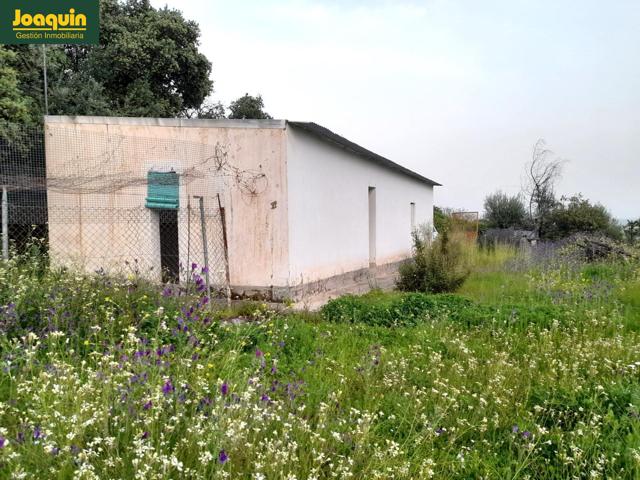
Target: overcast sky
[458, 91]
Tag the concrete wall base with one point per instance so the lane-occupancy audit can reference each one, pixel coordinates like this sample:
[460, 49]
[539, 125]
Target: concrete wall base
[315, 294]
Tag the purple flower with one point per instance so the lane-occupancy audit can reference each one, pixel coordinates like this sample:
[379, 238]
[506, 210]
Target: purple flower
[148, 404]
[205, 269]
[37, 433]
[223, 457]
[3, 441]
[258, 352]
[265, 398]
[168, 387]
[526, 434]
[145, 435]
[515, 429]
[194, 266]
[224, 388]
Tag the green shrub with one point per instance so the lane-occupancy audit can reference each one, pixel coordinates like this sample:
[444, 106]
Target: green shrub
[408, 309]
[576, 214]
[504, 211]
[436, 267]
[392, 309]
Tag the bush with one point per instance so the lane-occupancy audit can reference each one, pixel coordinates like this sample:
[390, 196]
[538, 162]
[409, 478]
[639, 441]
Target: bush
[503, 211]
[632, 231]
[578, 215]
[441, 218]
[382, 309]
[436, 267]
[409, 309]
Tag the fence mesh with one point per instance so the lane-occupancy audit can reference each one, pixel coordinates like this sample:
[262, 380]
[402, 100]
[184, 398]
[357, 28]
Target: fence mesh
[86, 194]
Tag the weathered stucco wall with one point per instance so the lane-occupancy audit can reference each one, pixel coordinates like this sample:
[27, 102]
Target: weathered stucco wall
[329, 209]
[257, 224]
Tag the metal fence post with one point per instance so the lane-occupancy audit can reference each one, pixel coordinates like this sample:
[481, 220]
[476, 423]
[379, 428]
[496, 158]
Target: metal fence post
[188, 264]
[223, 220]
[46, 87]
[5, 224]
[205, 248]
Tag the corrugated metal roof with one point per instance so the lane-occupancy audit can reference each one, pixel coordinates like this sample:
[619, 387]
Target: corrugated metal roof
[328, 136]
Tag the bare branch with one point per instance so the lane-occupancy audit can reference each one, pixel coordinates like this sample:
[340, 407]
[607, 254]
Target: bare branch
[542, 174]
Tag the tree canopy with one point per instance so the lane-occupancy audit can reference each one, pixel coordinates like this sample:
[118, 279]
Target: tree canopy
[576, 214]
[248, 106]
[632, 231]
[504, 211]
[147, 64]
[14, 106]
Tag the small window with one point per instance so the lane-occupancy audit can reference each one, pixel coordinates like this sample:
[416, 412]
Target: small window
[413, 216]
[372, 226]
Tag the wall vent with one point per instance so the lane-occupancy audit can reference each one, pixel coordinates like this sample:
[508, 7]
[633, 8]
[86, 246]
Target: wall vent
[162, 190]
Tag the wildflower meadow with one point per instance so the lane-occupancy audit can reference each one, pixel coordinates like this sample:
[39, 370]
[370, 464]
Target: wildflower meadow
[530, 371]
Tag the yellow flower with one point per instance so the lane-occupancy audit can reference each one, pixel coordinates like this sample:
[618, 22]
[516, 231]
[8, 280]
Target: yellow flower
[86, 342]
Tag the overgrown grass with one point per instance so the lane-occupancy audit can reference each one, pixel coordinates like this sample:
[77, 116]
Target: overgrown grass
[112, 379]
[488, 258]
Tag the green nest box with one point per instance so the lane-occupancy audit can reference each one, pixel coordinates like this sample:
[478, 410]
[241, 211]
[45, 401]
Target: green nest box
[163, 190]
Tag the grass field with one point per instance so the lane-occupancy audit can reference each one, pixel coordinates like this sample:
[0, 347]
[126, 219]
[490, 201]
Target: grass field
[532, 371]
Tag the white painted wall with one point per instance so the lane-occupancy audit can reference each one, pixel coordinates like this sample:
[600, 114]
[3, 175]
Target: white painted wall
[328, 209]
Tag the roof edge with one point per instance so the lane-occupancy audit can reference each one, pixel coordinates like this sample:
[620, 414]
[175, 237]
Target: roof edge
[327, 135]
[163, 122]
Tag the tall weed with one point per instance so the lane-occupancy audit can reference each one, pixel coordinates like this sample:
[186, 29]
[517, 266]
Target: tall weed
[437, 266]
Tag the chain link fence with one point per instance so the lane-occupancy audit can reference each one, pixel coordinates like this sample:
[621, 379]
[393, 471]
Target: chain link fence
[115, 203]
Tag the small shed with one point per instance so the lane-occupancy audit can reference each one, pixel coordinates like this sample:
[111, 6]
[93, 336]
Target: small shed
[304, 208]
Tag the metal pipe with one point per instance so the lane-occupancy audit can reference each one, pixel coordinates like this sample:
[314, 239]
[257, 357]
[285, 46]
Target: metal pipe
[188, 265]
[5, 224]
[205, 248]
[223, 220]
[44, 68]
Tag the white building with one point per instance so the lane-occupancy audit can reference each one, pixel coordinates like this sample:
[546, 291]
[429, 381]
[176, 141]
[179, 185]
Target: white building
[326, 214]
